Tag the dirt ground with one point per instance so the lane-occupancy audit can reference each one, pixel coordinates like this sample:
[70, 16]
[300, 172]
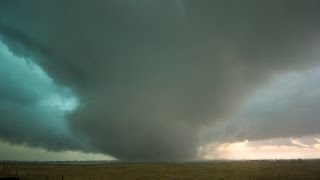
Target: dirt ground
[280, 169]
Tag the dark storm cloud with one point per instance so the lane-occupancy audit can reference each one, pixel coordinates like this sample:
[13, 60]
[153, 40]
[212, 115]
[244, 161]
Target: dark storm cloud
[151, 74]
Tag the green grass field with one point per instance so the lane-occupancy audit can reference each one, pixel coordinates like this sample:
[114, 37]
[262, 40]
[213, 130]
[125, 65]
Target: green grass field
[294, 169]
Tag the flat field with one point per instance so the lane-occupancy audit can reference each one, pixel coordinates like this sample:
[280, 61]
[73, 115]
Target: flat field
[261, 169]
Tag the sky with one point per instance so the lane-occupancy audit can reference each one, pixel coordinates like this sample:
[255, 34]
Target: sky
[159, 80]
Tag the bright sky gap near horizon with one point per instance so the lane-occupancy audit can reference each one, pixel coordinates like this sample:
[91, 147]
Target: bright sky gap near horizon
[159, 80]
